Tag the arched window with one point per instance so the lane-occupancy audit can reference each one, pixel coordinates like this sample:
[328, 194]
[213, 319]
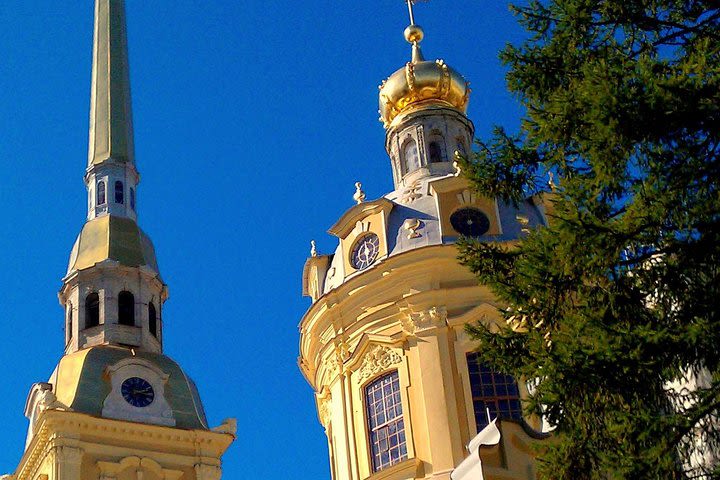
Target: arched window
[385, 421]
[410, 157]
[132, 198]
[101, 193]
[493, 391]
[69, 325]
[92, 310]
[126, 308]
[119, 192]
[152, 318]
[436, 149]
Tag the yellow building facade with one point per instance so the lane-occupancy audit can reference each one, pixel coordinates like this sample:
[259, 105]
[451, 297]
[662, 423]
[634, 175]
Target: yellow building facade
[398, 387]
[116, 407]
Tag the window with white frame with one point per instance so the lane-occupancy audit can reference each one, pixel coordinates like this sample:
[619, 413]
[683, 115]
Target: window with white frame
[386, 426]
[491, 391]
[101, 193]
[410, 158]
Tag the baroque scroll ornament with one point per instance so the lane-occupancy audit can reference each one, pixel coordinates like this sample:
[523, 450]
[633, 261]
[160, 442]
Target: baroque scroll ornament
[414, 322]
[376, 360]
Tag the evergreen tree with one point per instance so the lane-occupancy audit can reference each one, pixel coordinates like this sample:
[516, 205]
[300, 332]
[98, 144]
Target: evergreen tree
[612, 309]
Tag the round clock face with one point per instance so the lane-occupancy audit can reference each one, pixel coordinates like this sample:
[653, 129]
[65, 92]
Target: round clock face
[137, 392]
[470, 221]
[365, 251]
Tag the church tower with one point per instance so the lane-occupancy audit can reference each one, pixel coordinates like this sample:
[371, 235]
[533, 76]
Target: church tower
[116, 407]
[398, 387]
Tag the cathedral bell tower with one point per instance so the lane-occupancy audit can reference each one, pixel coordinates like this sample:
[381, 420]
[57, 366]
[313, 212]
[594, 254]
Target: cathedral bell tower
[398, 387]
[115, 406]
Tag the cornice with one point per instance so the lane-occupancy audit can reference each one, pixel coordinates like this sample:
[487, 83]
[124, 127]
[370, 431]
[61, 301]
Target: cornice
[52, 423]
[358, 212]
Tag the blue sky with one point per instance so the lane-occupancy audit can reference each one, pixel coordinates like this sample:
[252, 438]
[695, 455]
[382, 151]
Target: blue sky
[253, 120]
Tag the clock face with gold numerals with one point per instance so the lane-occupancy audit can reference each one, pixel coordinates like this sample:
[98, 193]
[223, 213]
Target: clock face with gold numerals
[365, 251]
[137, 392]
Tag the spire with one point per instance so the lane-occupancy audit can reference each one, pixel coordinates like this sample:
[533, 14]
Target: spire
[111, 131]
[414, 34]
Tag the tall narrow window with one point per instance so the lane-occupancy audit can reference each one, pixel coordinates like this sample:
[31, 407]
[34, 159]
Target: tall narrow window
[410, 157]
[92, 310]
[385, 421]
[493, 391]
[436, 149]
[69, 325]
[119, 192]
[101, 193]
[152, 319]
[132, 198]
[126, 308]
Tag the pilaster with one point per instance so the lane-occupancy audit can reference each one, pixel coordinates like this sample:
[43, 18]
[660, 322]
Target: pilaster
[434, 374]
[67, 461]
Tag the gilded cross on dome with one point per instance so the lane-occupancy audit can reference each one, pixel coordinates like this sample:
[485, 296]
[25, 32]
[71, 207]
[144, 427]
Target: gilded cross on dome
[410, 4]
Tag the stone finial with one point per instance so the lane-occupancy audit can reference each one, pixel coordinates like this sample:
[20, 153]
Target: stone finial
[551, 181]
[456, 164]
[359, 196]
[313, 249]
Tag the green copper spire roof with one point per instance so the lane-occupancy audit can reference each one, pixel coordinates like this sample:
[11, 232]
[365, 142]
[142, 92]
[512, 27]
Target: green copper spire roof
[111, 130]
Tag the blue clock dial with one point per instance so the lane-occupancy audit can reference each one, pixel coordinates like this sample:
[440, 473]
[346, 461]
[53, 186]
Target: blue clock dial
[365, 251]
[470, 221]
[137, 392]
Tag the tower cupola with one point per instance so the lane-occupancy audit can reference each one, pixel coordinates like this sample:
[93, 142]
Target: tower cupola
[423, 109]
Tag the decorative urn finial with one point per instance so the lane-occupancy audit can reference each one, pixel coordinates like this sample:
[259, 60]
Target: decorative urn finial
[359, 196]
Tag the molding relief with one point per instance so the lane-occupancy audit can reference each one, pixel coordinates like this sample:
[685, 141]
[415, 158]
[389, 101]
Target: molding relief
[466, 197]
[204, 471]
[417, 322]
[377, 359]
[327, 335]
[361, 227]
[411, 193]
[334, 364]
[324, 400]
[111, 470]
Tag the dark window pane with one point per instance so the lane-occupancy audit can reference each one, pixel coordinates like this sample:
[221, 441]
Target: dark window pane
[437, 152]
[119, 192]
[493, 391]
[126, 309]
[92, 310]
[152, 319]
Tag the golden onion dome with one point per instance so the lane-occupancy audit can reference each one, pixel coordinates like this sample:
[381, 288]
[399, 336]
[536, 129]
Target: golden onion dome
[420, 84]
